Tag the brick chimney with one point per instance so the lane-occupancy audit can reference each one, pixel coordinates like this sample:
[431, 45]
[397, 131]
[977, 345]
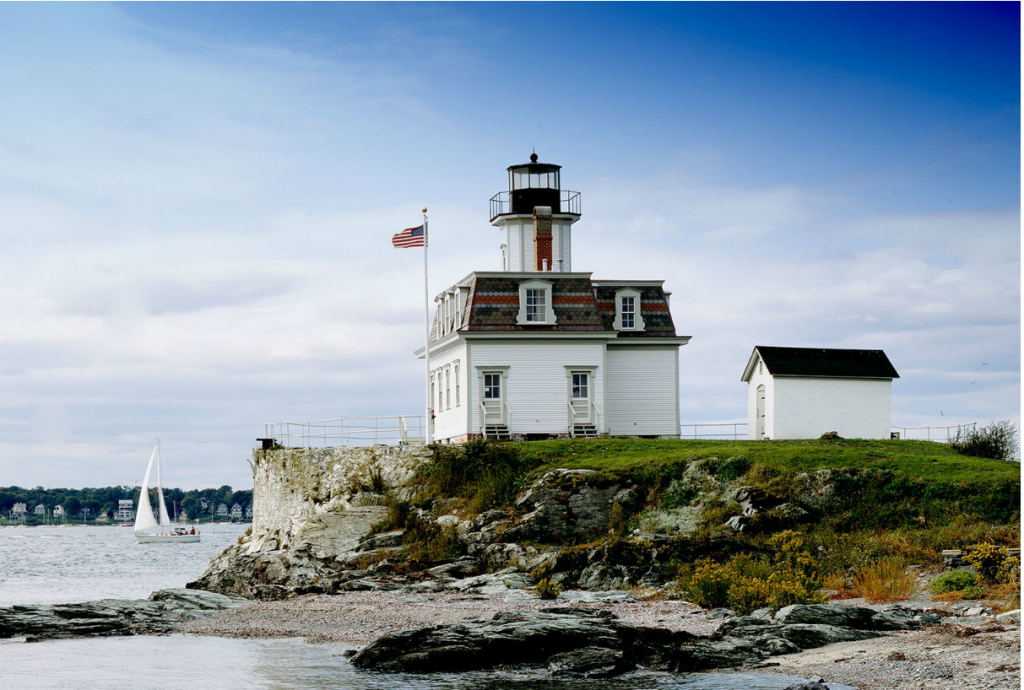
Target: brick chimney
[542, 236]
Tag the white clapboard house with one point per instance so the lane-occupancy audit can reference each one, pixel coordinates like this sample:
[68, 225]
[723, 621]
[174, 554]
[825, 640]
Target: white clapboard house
[806, 392]
[538, 350]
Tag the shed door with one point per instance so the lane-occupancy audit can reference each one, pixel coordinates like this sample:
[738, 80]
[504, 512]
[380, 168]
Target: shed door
[760, 412]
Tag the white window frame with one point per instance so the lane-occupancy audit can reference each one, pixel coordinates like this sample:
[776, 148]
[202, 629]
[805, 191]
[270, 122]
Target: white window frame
[638, 320]
[549, 309]
[458, 390]
[448, 388]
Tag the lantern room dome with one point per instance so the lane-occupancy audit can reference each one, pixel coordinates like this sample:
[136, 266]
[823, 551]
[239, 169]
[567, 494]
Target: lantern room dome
[534, 184]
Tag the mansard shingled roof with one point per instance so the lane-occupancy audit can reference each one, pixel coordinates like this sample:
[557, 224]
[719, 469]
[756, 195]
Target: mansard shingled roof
[494, 303]
[814, 361]
[579, 305]
[653, 309]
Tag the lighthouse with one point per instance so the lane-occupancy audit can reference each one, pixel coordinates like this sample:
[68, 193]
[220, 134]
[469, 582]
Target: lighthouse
[535, 218]
[538, 350]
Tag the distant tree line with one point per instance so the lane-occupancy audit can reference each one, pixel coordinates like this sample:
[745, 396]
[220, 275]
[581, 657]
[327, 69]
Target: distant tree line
[92, 503]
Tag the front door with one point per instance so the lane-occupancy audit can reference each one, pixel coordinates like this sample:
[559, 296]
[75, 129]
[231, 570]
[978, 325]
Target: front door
[494, 410]
[579, 398]
[760, 413]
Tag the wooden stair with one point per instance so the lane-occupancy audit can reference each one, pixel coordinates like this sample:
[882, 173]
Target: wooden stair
[584, 431]
[498, 432]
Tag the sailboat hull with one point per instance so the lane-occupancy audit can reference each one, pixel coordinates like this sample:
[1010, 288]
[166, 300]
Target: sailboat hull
[167, 538]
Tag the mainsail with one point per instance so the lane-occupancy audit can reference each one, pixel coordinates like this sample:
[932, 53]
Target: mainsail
[144, 519]
[164, 520]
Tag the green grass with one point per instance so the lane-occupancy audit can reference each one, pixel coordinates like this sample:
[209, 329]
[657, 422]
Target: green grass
[618, 457]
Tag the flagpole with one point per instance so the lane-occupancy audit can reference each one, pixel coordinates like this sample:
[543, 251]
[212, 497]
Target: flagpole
[427, 422]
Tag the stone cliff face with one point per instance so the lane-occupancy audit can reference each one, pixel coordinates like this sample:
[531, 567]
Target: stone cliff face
[294, 486]
[310, 507]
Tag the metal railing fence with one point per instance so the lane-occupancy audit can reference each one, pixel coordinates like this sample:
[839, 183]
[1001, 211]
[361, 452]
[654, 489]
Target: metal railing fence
[942, 434]
[717, 430]
[348, 431]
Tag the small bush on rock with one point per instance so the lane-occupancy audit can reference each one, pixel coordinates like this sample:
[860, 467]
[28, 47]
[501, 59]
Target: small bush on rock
[997, 442]
[546, 589]
[994, 563]
[961, 583]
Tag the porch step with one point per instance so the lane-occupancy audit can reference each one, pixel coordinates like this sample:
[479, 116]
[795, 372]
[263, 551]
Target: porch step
[584, 431]
[496, 431]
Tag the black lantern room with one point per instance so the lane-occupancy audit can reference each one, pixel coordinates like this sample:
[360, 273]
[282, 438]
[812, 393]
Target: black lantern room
[534, 184]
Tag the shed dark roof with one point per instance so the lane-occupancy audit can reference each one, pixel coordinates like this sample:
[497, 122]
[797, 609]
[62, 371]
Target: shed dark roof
[814, 361]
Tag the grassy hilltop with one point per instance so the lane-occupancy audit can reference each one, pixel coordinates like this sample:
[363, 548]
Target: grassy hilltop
[859, 500]
[846, 515]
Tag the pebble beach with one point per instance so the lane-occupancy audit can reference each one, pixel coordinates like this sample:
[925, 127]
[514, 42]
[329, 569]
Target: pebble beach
[972, 655]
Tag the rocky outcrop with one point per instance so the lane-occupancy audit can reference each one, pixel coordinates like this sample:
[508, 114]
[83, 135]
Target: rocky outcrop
[161, 613]
[595, 644]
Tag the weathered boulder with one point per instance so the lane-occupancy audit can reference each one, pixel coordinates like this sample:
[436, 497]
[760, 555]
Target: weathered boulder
[164, 611]
[595, 644]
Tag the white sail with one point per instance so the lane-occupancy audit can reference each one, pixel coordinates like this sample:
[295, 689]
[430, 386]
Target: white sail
[144, 519]
[164, 519]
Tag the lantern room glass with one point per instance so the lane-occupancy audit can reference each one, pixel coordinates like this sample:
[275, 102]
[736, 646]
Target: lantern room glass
[530, 177]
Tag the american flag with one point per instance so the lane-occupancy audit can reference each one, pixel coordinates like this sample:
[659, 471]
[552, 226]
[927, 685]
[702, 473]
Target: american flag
[410, 237]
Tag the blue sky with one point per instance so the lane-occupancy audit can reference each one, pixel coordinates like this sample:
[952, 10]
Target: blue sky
[196, 202]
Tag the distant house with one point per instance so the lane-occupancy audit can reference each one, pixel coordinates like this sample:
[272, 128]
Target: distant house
[204, 504]
[222, 509]
[800, 392]
[58, 511]
[40, 509]
[236, 511]
[248, 511]
[19, 510]
[125, 510]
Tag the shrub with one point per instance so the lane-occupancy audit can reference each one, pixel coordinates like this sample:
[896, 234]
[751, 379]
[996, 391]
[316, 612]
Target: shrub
[430, 542]
[708, 584]
[750, 582]
[546, 589]
[886, 581]
[994, 563]
[997, 442]
[485, 473]
[954, 581]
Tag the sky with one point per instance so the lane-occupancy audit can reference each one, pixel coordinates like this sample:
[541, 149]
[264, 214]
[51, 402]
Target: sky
[197, 201]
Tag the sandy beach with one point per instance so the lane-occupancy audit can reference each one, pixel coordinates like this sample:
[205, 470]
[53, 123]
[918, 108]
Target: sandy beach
[953, 656]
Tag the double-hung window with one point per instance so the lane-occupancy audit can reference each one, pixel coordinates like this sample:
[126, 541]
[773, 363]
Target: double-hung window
[447, 388]
[628, 313]
[627, 310]
[536, 305]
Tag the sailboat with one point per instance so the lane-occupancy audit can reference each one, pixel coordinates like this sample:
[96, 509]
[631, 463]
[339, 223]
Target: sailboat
[147, 529]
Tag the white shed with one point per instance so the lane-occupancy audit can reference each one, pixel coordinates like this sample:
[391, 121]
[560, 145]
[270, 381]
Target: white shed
[801, 392]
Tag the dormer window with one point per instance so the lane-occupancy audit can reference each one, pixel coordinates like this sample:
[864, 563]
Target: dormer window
[627, 311]
[535, 307]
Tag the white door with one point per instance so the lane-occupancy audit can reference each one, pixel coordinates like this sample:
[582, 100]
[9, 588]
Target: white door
[579, 397]
[760, 413]
[494, 410]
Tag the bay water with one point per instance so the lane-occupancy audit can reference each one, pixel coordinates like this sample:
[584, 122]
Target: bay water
[54, 565]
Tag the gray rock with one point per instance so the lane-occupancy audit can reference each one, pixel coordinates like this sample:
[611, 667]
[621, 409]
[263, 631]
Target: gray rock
[719, 613]
[590, 662]
[593, 643]
[164, 611]
[1009, 617]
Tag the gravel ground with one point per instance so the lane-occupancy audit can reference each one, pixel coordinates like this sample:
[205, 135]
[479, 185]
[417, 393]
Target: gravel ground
[361, 617]
[951, 656]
